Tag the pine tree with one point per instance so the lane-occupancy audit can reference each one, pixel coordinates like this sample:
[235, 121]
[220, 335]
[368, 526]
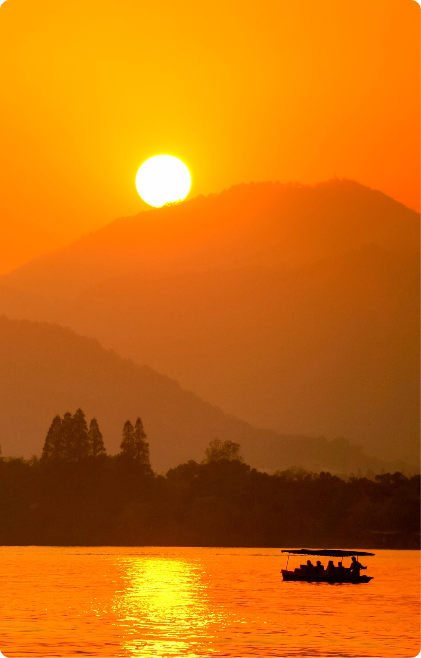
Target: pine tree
[51, 449]
[64, 450]
[79, 445]
[95, 439]
[127, 444]
[141, 447]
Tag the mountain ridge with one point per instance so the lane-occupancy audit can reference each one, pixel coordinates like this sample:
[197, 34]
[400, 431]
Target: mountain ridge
[46, 370]
[181, 221]
[294, 308]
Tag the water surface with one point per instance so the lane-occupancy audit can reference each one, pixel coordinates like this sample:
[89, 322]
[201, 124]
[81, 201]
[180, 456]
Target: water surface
[200, 602]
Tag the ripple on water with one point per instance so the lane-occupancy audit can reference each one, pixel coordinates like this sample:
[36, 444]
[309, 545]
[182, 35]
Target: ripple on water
[200, 602]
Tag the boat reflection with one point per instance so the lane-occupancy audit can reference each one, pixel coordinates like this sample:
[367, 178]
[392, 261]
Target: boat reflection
[163, 609]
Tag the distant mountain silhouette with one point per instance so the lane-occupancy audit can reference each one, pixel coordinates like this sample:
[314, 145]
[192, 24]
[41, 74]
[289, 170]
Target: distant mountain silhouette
[47, 370]
[294, 308]
[259, 224]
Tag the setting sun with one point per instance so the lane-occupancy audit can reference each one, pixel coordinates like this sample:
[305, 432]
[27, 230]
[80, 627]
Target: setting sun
[163, 179]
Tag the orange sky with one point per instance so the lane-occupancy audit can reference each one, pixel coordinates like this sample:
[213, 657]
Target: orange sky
[269, 90]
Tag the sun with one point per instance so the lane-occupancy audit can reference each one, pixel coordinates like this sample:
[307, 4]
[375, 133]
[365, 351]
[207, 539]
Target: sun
[163, 179]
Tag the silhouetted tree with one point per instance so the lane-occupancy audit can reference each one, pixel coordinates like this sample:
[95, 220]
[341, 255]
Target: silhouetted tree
[78, 445]
[64, 450]
[222, 502]
[127, 449]
[134, 448]
[218, 450]
[67, 439]
[52, 449]
[141, 447]
[95, 439]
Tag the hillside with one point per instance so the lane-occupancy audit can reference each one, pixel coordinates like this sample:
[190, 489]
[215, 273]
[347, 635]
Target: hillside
[291, 307]
[260, 224]
[46, 369]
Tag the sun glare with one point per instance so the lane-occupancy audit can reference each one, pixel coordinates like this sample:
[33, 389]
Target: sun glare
[163, 179]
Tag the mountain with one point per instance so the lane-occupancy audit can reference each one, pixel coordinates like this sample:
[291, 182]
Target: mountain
[295, 308]
[46, 370]
[259, 224]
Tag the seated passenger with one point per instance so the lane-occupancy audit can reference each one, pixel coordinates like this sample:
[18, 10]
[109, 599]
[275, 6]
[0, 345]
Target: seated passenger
[310, 566]
[330, 567]
[319, 566]
[340, 568]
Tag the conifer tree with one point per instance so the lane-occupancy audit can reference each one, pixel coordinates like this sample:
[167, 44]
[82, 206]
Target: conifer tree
[51, 449]
[64, 450]
[127, 444]
[141, 447]
[79, 444]
[97, 447]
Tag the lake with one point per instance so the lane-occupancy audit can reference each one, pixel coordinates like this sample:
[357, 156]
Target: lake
[200, 602]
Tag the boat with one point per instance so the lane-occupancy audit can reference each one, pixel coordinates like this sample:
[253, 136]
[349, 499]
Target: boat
[320, 574]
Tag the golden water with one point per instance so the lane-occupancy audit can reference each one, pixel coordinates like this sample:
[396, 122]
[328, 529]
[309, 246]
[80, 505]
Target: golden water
[200, 602]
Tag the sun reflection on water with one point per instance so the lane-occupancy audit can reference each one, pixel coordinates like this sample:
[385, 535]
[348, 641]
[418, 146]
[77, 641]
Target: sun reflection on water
[163, 610]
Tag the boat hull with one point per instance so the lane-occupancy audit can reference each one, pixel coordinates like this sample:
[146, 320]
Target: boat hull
[324, 578]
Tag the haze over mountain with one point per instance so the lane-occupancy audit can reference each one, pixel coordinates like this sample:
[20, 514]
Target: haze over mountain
[260, 224]
[294, 308]
[46, 369]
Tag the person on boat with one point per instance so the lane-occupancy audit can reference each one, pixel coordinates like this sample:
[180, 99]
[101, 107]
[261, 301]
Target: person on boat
[356, 566]
[310, 566]
[319, 566]
[330, 567]
[340, 568]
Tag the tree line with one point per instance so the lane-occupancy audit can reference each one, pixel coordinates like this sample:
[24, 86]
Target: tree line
[76, 494]
[69, 441]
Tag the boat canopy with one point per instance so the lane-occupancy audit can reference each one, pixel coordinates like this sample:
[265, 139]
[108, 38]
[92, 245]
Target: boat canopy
[328, 552]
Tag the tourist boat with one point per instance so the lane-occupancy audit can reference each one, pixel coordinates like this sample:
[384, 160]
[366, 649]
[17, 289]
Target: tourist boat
[332, 574]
